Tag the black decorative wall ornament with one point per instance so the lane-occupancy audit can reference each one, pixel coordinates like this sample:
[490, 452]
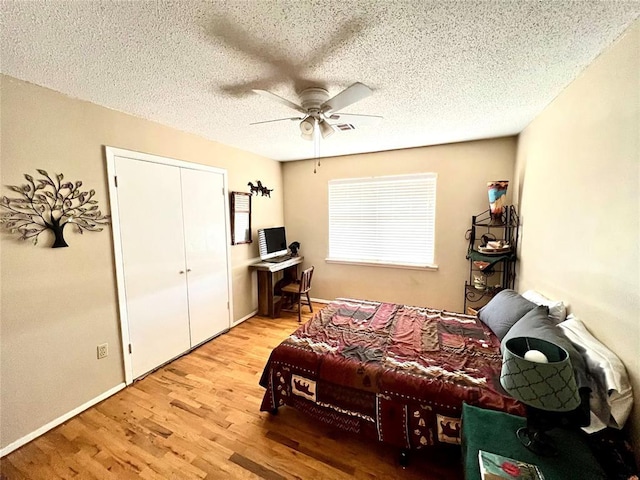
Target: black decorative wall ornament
[259, 189]
[51, 204]
[294, 247]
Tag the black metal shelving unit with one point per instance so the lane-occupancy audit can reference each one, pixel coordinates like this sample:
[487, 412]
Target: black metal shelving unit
[498, 269]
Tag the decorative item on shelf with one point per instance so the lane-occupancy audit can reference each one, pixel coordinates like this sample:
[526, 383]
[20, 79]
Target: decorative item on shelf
[260, 189]
[480, 282]
[480, 264]
[486, 238]
[51, 204]
[497, 190]
[540, 375]
[495, 248]
[294, 247]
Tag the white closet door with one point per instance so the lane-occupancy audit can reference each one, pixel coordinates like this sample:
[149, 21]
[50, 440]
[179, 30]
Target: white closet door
[206, 253]
[152, 237]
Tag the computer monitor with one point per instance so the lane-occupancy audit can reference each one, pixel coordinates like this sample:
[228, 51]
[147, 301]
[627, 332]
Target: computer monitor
[272, 242]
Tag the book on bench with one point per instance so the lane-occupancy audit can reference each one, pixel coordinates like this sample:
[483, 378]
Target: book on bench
[498, 467]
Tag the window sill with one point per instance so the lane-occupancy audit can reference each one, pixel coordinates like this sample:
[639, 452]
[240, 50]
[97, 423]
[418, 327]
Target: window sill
[383, 265]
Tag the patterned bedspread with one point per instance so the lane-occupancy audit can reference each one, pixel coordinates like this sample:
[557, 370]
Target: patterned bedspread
[392, 372]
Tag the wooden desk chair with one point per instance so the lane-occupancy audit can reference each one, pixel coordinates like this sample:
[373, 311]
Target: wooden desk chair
[298, 289]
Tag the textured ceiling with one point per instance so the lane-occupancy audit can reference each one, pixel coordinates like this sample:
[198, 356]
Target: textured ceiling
[441, 71]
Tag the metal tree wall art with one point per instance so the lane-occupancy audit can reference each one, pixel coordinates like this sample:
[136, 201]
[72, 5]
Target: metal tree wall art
[50, 204]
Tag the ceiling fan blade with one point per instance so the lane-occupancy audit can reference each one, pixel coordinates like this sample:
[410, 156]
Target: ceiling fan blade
[277, 120]
[348, 96]
[280, 99]
[354, 118]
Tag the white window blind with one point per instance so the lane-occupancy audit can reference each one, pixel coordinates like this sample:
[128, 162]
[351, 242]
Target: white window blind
[386, 220]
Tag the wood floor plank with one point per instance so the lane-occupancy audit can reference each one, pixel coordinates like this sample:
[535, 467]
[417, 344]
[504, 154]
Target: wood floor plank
[9, 471]
[60, 458]
[260, 470]
[198, 418]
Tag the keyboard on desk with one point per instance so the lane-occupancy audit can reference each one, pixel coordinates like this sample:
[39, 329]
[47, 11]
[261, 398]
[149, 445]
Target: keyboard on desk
[283, 258]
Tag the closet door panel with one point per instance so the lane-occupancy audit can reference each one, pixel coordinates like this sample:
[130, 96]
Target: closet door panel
[206, 253]
[150, 210]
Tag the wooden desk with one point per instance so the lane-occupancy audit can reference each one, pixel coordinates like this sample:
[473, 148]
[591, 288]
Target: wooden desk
[266, 273]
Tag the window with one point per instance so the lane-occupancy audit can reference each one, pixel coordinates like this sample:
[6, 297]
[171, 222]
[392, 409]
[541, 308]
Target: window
[383, 220]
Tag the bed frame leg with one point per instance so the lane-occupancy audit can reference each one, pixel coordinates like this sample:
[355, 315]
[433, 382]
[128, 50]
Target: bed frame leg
[404, 457]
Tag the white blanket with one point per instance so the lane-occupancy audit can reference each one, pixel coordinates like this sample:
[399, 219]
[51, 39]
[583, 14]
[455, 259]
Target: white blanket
[611, 394]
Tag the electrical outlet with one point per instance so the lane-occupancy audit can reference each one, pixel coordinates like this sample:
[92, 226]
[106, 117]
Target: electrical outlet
[103, 350]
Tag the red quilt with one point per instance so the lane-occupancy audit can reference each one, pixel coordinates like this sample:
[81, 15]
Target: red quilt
[392, 372]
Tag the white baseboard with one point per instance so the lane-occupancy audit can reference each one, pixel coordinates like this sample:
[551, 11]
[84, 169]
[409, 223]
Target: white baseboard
[246, 317]
[320, 300]
[54, 423]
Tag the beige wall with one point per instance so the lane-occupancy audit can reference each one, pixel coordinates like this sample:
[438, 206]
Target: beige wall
[577, 188]
[463, 170]
[578, 167]
[59, 304]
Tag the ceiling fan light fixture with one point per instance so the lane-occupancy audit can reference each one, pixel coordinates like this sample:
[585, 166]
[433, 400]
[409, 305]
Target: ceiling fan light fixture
[307, 126]
[325, 129]
[318, 109]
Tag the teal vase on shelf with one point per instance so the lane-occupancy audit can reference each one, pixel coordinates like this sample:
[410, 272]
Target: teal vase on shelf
[497, 191]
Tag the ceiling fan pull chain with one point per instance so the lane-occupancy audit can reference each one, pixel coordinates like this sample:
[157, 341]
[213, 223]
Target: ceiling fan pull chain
[316, 140]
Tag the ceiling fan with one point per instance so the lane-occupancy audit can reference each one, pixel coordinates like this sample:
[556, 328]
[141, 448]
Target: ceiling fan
[321, 115]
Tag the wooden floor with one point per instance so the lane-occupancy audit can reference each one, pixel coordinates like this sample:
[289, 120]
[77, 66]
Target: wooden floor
[198, 417]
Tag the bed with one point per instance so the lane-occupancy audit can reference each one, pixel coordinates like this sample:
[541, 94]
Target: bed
[395, 373]
[400, 374]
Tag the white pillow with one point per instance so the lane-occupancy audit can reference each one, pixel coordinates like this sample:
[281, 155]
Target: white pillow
[557, 310]
[611, 403]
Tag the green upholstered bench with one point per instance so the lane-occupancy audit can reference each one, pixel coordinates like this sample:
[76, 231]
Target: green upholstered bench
[496, 432]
